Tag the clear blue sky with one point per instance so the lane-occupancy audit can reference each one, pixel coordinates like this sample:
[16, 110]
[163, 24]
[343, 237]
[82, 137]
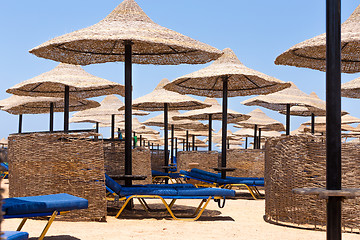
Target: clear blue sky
[257, 31]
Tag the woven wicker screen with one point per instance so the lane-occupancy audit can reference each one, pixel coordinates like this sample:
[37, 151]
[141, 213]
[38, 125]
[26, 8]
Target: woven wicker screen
[299, 162]
[248, 162]
[114, 153]
[59, 163]
[206, 160]
[157, 160]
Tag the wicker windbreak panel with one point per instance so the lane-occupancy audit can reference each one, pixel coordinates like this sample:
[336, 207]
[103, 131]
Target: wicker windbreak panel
[205, 160]
[157, 160]
[114, 153]
[59, 163]
[248, 162]
[300, 162]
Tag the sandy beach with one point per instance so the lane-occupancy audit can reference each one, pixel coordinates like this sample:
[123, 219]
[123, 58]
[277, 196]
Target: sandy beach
[240, 219]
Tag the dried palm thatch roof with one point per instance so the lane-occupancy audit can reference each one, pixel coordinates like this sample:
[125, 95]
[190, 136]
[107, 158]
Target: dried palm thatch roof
[351, 89]
[104, 42]
[279, 100]
[260, 119]
[181, 124]
[216, 112]
[312, 52]
[242, 81]
[345, 119]
[52, 84]
[322, 128]
[102, 120]
[192, 133]
[155, 100]
[108, 106]
[36, 105]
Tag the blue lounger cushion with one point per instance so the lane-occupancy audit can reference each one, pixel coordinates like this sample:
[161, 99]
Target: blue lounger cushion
[42, 204]
[15, 235]
[167, 190]
[216, 178]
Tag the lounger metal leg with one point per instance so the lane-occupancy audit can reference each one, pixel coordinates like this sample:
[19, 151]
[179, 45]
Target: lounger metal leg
[230, 186]
[172, 203]
[52, 218]
[199, 211]
[21, 224]
[144, 204]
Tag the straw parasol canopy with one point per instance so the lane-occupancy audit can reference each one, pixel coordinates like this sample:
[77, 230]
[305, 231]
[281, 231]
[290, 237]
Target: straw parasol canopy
[155, 100]
[95, 119]
[351, 89]
[226, 76]
[104, 42]
[345, 119]
[36, 105]
[181, 124]
[260, 119]
[278, 101]
[242, 81]
[4, 142]
[52, 84]
[216, 113]
[247, 132]
[312, 52]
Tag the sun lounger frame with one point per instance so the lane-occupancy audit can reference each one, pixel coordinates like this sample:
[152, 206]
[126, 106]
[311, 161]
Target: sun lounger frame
[193, 217]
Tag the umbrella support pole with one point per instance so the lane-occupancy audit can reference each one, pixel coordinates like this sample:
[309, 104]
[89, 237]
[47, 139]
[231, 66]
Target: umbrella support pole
[246, 142]
[172, 144]
[193, 142]
[333, 116]
[66, 109]
[259, 139]
[312, 123]
[210, 132]
[255, 136]
[112, 126]
[51, 124]
[287, 119]
[128, 110]
[20, 123]
[224, 125]
[166, 136]
[187, 140]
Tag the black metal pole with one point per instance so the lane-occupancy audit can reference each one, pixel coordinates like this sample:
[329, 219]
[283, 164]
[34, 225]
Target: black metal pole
[193, 142]
[228, 143]
[312, 123]
[333, 116]
[287, 119]
[152, 146]
[183, 144]
[166, 134]
[141, 141]
[187, 140]
[113, 126]
[20, 123]
[210, 132]
[51, 125]
[172, 143]
[259, 140]
[97, 127]
[176, 147]
[246, 142]
[66, 109]
[128, 110]
[255, 136]
[224, 126]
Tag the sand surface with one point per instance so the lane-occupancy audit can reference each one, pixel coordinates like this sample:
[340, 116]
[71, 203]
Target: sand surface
[240, 219]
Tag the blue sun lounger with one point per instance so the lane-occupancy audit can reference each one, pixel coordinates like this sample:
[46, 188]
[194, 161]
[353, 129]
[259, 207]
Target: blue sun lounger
[160, 177]
[40, 206]
[251, 183]
[169, 191]
[15, 235]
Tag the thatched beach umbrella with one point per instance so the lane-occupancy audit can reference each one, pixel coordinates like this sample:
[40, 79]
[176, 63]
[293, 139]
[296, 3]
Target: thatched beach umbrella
[212, 113]
[66, 81]
[283, 100]
[226, 77]
[164, 100]
[19, 105]
[149, 102]
[336, 52]
[127, 34]
[259, 120]
[351, 89]
[108, 107]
